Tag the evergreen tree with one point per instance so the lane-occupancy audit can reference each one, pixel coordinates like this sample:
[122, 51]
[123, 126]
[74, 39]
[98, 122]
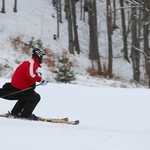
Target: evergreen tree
[65, 74]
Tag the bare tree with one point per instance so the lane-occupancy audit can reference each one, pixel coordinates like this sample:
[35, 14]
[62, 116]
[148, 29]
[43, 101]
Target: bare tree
[85, 9]
[135, 55]
[57, 6]
[75, 27]
[114, 14]
[58, 16]
[109, 29]
[59, 10]
[93, 48]
[15, 6]
[54, 3]
[70, 28]
[81, 10]
[125, 49]
[146, 26]
[3, 6]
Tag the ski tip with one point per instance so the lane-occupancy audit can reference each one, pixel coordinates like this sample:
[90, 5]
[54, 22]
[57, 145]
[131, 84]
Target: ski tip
[76, 122]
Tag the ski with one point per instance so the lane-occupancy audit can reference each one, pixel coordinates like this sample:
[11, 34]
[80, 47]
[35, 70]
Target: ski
[51, 120]
[62, 121]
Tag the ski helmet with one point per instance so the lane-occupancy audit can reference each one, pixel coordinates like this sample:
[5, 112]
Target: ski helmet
[38, 54]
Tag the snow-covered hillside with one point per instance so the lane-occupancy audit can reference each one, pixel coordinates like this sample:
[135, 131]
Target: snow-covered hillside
[110, 118]
[37, 18]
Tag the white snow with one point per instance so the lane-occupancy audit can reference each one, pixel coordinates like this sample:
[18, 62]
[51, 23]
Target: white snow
[114, 115]
[110, 119]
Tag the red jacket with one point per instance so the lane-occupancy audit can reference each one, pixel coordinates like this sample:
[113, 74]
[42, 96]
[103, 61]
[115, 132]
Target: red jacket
[26, 74]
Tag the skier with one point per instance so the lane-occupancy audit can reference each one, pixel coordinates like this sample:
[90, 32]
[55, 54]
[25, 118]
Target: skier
[22, 86]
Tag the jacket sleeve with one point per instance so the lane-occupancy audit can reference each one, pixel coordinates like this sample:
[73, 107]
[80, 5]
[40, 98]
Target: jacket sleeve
[32, 72]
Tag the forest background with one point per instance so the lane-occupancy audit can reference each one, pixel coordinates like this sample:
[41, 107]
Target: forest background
[104, 39]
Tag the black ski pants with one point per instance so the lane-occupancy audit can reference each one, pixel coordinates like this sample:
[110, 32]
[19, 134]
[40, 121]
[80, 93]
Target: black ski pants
[27, 100]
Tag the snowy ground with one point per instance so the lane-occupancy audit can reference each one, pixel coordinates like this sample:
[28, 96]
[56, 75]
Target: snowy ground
[110, 119]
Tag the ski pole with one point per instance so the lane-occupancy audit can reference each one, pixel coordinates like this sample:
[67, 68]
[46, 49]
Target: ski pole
[19, 91]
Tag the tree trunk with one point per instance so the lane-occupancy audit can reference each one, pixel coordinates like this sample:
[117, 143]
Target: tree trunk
[93, 48]
[135, 54]
[54, 3]
[109, 30]
[58, 18]
[70, 30]
[146, 25]
[125, 49]
[15, 6]
[114, 6]
[3, 6]
[60, 12]
[81, 11]
[75, 27]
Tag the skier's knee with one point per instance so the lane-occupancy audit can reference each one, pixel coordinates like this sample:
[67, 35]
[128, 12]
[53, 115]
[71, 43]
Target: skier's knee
[37, 97]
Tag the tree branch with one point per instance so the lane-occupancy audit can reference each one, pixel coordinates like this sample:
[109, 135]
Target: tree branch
[140, 50]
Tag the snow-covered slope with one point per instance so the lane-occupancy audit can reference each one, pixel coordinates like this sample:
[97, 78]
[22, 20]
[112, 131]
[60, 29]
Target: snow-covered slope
[110, 119]
[37, 18]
